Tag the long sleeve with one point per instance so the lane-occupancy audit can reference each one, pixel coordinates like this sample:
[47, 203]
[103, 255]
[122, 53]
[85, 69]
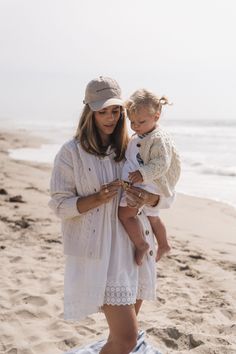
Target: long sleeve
[159, 163]
[62, 186]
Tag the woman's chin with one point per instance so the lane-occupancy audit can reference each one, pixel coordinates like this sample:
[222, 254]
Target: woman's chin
[109, 130]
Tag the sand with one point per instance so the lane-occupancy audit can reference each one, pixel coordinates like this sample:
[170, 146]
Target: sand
[195, 310]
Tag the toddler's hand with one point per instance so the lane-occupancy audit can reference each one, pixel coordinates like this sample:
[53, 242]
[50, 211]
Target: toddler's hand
[135, 177]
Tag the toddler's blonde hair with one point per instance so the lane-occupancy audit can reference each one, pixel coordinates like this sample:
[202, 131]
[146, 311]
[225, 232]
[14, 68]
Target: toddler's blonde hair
[144, 98]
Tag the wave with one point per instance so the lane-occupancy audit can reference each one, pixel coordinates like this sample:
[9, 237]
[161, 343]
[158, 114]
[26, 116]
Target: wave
[227, 172]
[211, 132]
[201, 168]
[200, 123]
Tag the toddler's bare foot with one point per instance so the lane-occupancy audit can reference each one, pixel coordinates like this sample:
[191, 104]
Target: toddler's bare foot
[140, 252]
[161, 251]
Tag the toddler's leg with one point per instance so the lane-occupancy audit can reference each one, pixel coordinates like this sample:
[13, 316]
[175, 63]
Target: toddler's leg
[159, 230]
[128, 218]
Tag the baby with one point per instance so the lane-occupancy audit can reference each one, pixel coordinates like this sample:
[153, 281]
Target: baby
[153, 164]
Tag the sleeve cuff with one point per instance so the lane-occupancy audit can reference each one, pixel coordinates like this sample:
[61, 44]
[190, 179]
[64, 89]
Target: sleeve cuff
[65, 209]
[146, 177]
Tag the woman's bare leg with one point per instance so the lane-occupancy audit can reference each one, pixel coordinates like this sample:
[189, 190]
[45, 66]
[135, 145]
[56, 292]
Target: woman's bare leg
[137, 307]
[123, 327]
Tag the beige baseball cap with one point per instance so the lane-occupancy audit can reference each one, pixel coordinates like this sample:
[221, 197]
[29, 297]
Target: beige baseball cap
[102, 92]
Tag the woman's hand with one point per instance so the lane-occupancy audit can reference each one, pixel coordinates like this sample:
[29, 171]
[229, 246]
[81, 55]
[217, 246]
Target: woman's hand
[108, 191]
[137, 197]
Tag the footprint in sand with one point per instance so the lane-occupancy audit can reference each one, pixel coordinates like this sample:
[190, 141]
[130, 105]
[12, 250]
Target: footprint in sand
[192, 273]
[12, 351]
[28, 314]
[88, 321]
[25, 314]
[175, 339]
[35, 300]
[196, 256]
[229, 314]
[229, 330]
[15, 259]
[51, 291]
[67, 343]
[161, 300]
[89, 330]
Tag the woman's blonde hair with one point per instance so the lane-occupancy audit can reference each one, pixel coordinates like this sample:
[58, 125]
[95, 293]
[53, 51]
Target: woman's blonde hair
[144, 98]
[89, 138]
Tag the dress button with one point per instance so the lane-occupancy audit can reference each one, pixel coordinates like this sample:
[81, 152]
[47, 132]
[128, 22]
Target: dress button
[95, 190]
[146, 232]
[89, 169]
[138, 145]
[97, 209]
[151, 253]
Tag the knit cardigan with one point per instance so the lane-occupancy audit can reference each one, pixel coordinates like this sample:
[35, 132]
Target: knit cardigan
[161, 161]
[75, 175]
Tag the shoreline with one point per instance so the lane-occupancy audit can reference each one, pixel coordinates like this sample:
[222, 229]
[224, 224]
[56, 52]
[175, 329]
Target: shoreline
[46, 151]
[214, 200]
[196, 299]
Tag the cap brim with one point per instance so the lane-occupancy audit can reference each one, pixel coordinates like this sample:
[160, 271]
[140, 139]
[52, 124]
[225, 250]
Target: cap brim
[98, 105]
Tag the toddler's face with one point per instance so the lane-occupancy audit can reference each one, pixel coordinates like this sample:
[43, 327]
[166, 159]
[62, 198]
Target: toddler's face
[143, 122]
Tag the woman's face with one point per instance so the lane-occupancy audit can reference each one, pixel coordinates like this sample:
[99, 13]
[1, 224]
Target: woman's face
[106, 120]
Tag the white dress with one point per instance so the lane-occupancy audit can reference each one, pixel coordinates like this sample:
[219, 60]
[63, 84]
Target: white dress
[124, 281]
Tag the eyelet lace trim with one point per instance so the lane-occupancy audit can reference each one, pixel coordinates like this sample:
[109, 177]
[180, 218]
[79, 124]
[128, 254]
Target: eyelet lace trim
[119, 295]
[125, 295]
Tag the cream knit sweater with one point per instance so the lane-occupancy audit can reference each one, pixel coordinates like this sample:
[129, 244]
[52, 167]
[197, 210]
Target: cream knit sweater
[161, 161]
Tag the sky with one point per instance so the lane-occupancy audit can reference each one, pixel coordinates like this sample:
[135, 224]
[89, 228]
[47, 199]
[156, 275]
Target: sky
[50, 50]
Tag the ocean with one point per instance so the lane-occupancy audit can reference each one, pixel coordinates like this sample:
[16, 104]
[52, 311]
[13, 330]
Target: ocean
[207, 149]
[208, 153]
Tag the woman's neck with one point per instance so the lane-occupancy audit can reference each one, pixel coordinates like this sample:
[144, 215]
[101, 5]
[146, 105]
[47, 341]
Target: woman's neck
[105, 140]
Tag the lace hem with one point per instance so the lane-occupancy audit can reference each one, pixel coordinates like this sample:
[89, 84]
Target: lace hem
[125, 295]
[116, 295]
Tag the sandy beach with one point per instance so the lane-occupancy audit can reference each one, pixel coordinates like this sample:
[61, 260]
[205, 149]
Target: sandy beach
[195, 310]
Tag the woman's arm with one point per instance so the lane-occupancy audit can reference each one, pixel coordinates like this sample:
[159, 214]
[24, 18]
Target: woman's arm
[106, 193]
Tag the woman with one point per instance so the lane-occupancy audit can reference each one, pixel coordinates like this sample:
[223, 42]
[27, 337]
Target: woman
[100, 271]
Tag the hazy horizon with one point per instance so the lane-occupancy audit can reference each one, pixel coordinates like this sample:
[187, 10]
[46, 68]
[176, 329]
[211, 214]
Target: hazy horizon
[51, 49]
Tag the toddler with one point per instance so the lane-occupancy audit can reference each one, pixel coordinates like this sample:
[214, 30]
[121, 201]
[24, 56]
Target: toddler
[153, 164]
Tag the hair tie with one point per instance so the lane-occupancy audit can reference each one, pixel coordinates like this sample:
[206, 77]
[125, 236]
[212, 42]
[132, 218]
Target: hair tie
[164, 100]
